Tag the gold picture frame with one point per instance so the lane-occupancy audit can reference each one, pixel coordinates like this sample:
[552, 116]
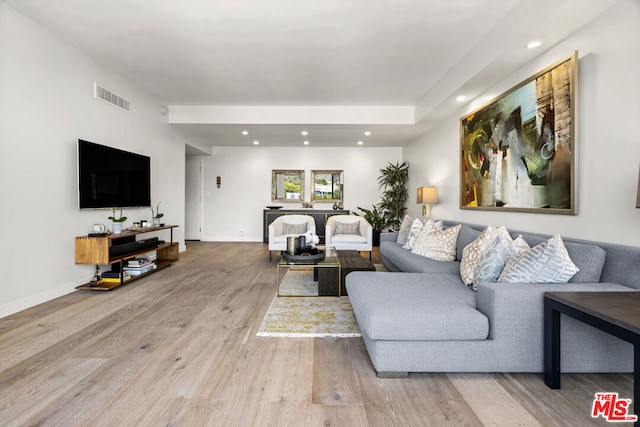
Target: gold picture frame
[517, 152]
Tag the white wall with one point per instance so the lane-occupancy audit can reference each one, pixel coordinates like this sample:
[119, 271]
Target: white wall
[46, 104]
[246, 183]
[608, 138]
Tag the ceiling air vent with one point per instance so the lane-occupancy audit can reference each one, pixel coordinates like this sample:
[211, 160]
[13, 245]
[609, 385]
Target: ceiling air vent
[104, 94]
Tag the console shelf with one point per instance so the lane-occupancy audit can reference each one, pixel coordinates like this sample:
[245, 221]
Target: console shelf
[95, 251]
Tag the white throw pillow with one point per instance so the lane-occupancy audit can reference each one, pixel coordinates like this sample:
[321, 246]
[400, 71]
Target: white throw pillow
[473, 251]
[548, 262]
[437, 244]
[414, 231]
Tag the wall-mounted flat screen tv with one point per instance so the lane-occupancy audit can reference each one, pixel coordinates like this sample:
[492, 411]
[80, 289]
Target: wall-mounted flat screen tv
[112, 178]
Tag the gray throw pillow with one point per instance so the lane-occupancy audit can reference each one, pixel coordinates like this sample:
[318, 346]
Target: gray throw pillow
[294, 228]
[403, 234]
[492, 261]
[547, 262]
[352, 228]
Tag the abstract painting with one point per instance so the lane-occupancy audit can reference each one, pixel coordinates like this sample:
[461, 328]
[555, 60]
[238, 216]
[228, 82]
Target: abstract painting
[517, 151]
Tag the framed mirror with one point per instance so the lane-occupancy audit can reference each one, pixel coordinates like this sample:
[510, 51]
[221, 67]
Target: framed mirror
[327, 186]
[287, 186]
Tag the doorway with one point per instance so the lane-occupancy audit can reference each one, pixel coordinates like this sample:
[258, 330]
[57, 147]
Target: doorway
[193, 200]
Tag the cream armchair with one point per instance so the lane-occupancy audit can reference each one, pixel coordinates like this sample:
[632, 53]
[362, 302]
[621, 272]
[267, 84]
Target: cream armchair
[349, 232]
[288, 225]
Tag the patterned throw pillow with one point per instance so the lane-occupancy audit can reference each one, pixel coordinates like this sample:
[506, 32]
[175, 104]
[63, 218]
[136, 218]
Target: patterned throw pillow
[403, 234]
[414, 231]
[473, 251]
[352, 228]
[418, 227]
[294, 228]
[492, 261]
[548, 262]
[437, 244]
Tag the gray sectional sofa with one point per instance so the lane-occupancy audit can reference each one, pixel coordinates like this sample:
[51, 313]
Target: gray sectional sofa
[419, 316]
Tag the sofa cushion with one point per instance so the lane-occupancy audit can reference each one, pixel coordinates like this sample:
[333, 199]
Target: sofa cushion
[437, 244]
[348, 238]
[404, 260]
[294, 229]
[415, 307]
[547, 262]
[589, 259]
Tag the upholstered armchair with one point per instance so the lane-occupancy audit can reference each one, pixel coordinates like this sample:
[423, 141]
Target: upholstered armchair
[349, 232]
[288, 225]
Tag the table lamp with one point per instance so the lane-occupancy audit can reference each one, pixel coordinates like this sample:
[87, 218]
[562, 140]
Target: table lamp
[427, 195]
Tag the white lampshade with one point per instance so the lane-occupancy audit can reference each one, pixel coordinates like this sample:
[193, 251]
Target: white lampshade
[427, 195]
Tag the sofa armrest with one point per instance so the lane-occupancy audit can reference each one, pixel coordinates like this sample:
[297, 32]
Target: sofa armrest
[275, 229]
[515, 310]
[388, 237]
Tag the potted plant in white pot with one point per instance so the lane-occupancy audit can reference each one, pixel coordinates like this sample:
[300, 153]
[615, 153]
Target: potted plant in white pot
[156, 215]
[117, 221]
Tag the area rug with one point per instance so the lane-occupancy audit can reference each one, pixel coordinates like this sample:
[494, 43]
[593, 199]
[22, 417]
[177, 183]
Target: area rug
[308, 316]
[299, 283]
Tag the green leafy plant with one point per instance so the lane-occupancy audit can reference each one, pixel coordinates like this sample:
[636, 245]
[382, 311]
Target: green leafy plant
[156, 213]
[376, 217]
[117, 218]
[393, 180]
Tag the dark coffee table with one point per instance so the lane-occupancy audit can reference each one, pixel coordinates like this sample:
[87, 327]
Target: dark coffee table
[617, 313]
[351, 261]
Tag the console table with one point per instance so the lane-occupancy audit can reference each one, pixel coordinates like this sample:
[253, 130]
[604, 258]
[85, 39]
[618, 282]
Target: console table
[99, 250]
[319, 216]
[617, 313]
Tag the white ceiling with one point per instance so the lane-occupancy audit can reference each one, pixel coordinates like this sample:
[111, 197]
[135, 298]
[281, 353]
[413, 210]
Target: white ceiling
[331, 53]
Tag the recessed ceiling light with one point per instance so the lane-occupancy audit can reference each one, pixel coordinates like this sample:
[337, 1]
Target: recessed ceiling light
[304, 133]
[360, 142]
[533, 44]
[460, 98]
[306, 143]
[245, 132]
[367, 133]
[256, 142]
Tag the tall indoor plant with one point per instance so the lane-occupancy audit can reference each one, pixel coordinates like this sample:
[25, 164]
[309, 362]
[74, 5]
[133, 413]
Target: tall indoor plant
[393, 181]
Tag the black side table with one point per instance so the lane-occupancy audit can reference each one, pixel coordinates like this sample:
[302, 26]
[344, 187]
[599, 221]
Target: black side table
[617, 313]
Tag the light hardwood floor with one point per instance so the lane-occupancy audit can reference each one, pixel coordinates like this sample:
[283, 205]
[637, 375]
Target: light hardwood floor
[179, 348]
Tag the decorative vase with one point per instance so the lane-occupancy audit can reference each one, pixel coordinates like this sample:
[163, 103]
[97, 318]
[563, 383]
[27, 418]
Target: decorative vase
[335, 206]
[117, 227]
[156, 222]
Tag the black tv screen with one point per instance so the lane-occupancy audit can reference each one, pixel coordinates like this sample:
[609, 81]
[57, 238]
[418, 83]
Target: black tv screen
[112, 178]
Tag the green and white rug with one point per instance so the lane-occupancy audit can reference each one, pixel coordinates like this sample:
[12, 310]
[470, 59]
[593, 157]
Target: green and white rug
[307, 316]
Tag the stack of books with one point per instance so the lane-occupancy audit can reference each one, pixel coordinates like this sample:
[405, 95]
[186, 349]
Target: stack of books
[115, 277]
[138, 266]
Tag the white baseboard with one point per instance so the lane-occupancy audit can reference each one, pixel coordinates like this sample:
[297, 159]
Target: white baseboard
[33, 300]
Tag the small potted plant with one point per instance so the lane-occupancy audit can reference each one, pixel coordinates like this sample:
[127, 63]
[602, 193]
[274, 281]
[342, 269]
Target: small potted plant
[156, 215]
[378, 218]
[117, 221]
